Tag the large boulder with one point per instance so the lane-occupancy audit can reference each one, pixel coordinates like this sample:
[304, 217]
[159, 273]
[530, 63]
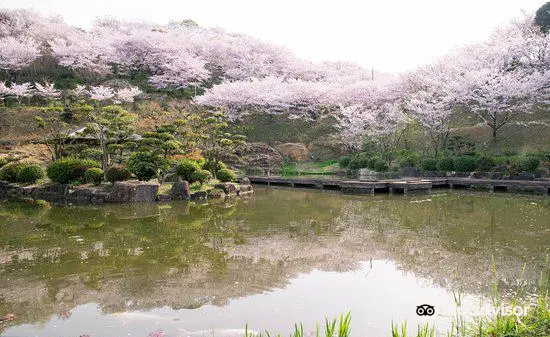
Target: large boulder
[180, 190]
[227, 188]
[366, 174]
[262, 155]
[296, 152]
[134, 191]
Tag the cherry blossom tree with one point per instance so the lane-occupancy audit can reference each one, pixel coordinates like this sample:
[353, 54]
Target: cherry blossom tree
[17, 53]
[127, 95]
[101, 93]
[47, 90]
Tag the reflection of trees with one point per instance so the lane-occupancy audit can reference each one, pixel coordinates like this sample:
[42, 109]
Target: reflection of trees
[184, 254]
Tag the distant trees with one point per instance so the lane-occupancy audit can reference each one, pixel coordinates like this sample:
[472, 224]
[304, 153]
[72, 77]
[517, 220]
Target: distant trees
[542, 17]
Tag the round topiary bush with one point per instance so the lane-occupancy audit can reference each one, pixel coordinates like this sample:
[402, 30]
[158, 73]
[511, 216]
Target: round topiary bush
[465, 164]
[485, 163]
[212, 167]
[528, 164]
[78, 172]
[94, 175]
[117, 173]
[201, 176]
[144, 165]
[380, 166]
[186, 167]
[61, 171]
[30, 174]
[446, 164]
[343, 162]
[429, 164]
[10, 171]
[226, 175]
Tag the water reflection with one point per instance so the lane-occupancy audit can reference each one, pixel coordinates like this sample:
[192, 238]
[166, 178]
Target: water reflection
[280, 256]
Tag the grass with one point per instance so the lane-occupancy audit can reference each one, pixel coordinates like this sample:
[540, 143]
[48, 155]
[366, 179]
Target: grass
[314, 168]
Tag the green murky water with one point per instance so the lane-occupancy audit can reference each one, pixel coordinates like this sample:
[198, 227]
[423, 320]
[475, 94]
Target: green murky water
[280, 256]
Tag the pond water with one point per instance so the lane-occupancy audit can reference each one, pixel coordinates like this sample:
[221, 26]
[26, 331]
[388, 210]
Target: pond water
[279, 257]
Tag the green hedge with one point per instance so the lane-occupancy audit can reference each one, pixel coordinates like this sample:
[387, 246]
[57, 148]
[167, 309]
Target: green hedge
[63, 171]
[186, 167]
[30, 174]
[201, 176]
[94, 176]
[226, 175]
[117, 173]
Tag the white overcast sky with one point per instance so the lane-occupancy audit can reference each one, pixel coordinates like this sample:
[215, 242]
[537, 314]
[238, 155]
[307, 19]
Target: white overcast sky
[390, 35]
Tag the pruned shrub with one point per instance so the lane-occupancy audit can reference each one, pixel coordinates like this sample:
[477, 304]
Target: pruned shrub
[201, 176]
[78, 172]
[10, 171]
[343, 162]
[226, 175]
[465, 164]
[214, 167]
[63, 171]
[30, 174]
[186, 167]
[94, 176]
[380, 165]
[528, 164]
[429, 164]
[117, 173]
[485, 163]
[446, 164]
[144, 165]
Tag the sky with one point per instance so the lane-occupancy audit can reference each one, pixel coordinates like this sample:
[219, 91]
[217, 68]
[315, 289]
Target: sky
[388, 35]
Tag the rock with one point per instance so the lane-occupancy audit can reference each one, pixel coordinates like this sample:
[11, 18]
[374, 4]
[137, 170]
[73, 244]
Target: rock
[296, 152]
[263, 156]
[366, 174]
[180, 190]
[51, 192]
[245, 181]
[80, 195]
[480, 175]
[434, 174]
[245, 189]
[525, 176]
[227, 188]
[216, 193]
[164, 197]
[496, 175]
[410, 172]
[134, 191]
[459, 174]
[199, 195]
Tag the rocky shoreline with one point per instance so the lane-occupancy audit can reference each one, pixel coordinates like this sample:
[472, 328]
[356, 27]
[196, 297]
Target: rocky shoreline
[131, 191]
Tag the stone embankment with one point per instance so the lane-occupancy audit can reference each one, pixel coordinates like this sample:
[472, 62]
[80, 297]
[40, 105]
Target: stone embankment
[130, 191]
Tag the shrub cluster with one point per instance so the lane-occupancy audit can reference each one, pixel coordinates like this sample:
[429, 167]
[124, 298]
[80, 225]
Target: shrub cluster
[117, 173]
[186, 168]
[226, 175]
[94, 175]
[21, 172]
[201, 176]
[144, 165]
[509, 162]
[30, 174]
[66, 170]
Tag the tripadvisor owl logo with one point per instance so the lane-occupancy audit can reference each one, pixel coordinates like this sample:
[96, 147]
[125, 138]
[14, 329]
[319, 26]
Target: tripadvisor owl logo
[425, 310]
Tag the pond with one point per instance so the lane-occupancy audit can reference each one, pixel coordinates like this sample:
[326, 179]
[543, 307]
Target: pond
[279, 257]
